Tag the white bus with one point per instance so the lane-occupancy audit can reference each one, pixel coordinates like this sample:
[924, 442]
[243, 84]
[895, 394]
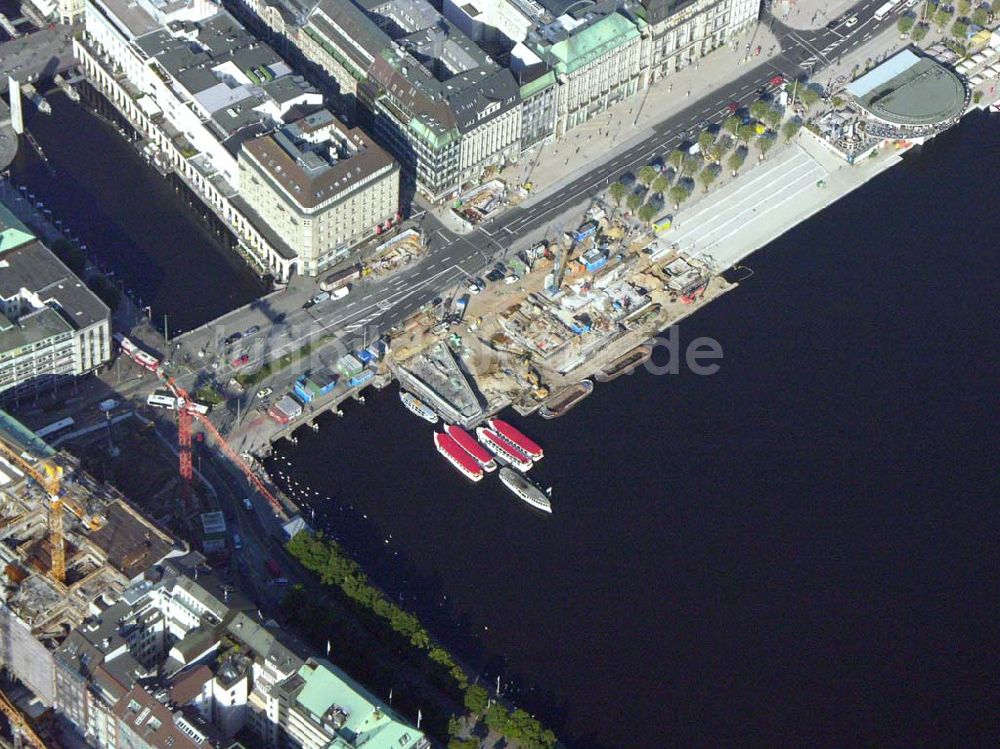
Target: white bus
[56, 428]
[162, 399]
[885, 10]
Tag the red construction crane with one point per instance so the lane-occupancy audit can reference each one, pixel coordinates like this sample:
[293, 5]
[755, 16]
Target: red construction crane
[185, 413]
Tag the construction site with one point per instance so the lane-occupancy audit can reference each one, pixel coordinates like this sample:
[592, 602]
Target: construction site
[69, 545]
[555, 317]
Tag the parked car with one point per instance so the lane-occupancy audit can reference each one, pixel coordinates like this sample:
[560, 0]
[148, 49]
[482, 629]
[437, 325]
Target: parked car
[320, 297]
[241, 360]
[252, 329]
[107, 405]
[494, 276]
[852, 21]
[264, 392]
[233, 338]
[340, 293]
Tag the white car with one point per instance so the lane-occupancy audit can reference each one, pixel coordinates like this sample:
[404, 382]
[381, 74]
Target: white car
[851, 21]
[264, 392]
[340, 293]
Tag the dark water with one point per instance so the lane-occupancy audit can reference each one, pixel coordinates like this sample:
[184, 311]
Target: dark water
[131, 217]
[801, 550]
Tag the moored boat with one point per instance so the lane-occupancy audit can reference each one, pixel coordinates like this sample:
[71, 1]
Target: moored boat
[625, 364]
[468, 443]
[517, 438]
[503, 449]
[561, 402]
[417, 406]
[458, 457]
[524, 489]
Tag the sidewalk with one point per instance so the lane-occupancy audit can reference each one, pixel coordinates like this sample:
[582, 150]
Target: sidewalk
[810, 14]
[629, 122]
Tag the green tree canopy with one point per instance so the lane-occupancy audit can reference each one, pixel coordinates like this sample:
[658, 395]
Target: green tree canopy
[808, 96]
[905, 23]
[919, 32]
[647, 213]
[964, 6]
[731, 123]
[746, 133]
[764, 144]
[758, 109]
[736, 160]
[942, 17]
[706, 139]
[960, 29]
[706, 176]
[617, 191]
[661, 184]
[676, 158]
[790, 129]
[691, 165]
[646, 175]
[633, 201]
[772, 117]
[980, 16]
[476, 699]
[679, 193]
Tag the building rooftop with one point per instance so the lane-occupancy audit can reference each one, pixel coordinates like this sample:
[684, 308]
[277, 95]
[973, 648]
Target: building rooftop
[908, 89]
[33, 273]
[335, 699]
[13, 233]
[317, 158]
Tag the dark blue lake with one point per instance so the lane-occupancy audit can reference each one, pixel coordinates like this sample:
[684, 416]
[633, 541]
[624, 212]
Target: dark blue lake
[801, 550]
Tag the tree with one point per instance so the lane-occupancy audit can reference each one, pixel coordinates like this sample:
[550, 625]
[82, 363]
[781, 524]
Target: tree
[960, 29]
[707, 177]
[758, 109]
[497, 718]
[679, 193]
[736, 160]
[676, 158]
[995, 6]
[71, 255]
[964, 6]
[764, 144]
[791, 129]
[661, 184]
[772, 117]
[980, 16]
[691, 165]
[647, 213]
[905, 23]
[617, 191]
[746, 133]
[457, 743]
[476, 699]
[808, 96]
[706, 139]
[646, 175]
[633, 201]
[731, 124]
[942, 17]
[919, 32]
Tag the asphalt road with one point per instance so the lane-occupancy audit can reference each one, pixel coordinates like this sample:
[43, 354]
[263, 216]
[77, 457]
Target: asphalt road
[376, 305]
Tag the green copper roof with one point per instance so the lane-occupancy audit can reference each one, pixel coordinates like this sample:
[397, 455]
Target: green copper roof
[541, 83]
[369, 723]
[436, 140]
[12, 232]
[614, 30]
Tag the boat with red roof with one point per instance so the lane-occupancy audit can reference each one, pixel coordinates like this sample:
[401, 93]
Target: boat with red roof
[507, 452]
[515, 437]
[458, 457]
[468, 443]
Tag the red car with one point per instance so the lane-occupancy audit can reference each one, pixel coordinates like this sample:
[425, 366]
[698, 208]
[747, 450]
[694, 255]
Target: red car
[777, 80]
[732, 107]
[239, 361]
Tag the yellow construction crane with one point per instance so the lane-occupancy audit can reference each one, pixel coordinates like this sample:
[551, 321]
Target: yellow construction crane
[48, 476]
[19, 723]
